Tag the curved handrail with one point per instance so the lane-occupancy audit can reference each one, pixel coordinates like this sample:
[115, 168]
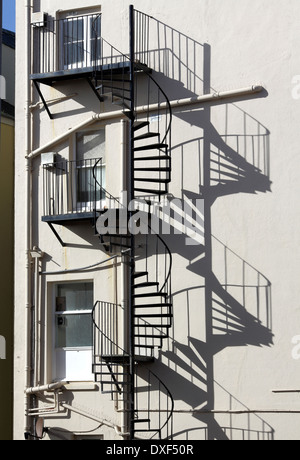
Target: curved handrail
[169, 395]
[124, 353]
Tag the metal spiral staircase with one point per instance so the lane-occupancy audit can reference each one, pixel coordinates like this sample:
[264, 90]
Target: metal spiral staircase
[150, 311]
[124, 81]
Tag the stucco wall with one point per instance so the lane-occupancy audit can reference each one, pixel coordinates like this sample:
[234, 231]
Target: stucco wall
[235, 298]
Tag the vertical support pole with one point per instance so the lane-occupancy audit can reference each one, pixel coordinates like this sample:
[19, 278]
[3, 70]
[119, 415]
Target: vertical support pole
[131, 213]
[0, 58]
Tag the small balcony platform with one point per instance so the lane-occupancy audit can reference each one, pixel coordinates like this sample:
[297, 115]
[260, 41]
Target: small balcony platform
[106, 70]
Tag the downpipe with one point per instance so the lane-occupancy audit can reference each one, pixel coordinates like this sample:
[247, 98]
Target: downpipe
[28, 315]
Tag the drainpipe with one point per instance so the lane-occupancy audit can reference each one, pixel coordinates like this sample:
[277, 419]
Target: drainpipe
[37, 255]
[27, 218]
[124, 272]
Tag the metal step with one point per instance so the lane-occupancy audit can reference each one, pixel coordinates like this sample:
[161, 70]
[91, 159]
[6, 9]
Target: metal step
[146, 284]
[158, 181]
[150, 336]
[140, 125]
[129, 114]
[151, 305]
[145, 420]
[120, 96]
[117, 88]
[147, 431]
[151, 158]
[154, 192]
[148, 135]
[150, 294]
[122, 103]
[155, 326]
[153, 169]
[150, 147]
[152, 315]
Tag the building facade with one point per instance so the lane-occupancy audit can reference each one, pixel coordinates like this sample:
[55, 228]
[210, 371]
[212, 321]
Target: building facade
[7, 233]
[156, 234]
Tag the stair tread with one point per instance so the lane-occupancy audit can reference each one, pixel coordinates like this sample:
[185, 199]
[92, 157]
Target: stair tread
[156, 326]
[151, 294]
[158, 181]
[141, 420]
[150, 147]
[129, 114]
[153, 315]
[153, 158]
[159, 305]
[120, 96]
[154, 192]
[146, 284]
[153, 169]
[147, 431]
[140, 125]
[148, 135]
[116, 88]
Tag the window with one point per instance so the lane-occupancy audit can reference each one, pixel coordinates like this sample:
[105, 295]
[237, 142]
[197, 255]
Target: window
[81, 41]
[73, 331]
[90, 147]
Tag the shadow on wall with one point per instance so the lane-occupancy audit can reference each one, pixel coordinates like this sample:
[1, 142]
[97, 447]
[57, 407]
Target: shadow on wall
[231, 305]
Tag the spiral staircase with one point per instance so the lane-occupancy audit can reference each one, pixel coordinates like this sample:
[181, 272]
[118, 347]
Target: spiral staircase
[151, 309]
[125, 81]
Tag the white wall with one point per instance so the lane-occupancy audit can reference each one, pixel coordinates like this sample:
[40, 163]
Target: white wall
[236, 308]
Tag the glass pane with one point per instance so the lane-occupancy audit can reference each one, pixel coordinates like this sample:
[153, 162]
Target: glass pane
[91, 145]
[73, 41]
[72, 297]
[86, 184]
[95, 38]
[74, 331]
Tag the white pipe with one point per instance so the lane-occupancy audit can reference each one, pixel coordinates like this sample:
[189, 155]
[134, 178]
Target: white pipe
[49, 387]
[37, 255]
[152, 108]
[84, 124]
[27, 230]
[47, 410]
[123, 172]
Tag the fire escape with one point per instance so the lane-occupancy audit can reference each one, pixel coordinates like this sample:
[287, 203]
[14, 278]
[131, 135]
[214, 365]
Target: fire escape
[122, 356]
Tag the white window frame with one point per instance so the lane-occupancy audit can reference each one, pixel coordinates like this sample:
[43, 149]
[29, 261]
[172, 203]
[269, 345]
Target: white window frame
[88, 60]
[87, 206]
[80, 357]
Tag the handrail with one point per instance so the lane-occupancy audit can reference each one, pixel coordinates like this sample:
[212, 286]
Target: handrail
[171, 398]
[124, 353]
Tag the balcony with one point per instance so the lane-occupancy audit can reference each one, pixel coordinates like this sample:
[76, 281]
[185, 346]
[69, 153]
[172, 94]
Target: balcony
[72, 48]
[73, 190]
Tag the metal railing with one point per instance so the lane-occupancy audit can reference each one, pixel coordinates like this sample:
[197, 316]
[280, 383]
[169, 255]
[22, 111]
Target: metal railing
[66, 44]
[69, 187]
[155, 407]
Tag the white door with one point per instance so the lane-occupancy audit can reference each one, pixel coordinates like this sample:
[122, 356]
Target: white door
[73, 332]
[81, 42]
[90, 172]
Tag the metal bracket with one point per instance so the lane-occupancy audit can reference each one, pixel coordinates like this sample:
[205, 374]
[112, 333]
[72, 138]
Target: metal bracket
[64, 245]
[94, 90]
[43, 99]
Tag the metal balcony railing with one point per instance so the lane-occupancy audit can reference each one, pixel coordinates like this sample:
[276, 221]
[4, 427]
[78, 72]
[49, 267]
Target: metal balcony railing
[73, 187]
[66, 44]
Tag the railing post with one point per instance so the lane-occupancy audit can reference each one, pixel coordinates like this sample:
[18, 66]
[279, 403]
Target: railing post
[132, 252]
